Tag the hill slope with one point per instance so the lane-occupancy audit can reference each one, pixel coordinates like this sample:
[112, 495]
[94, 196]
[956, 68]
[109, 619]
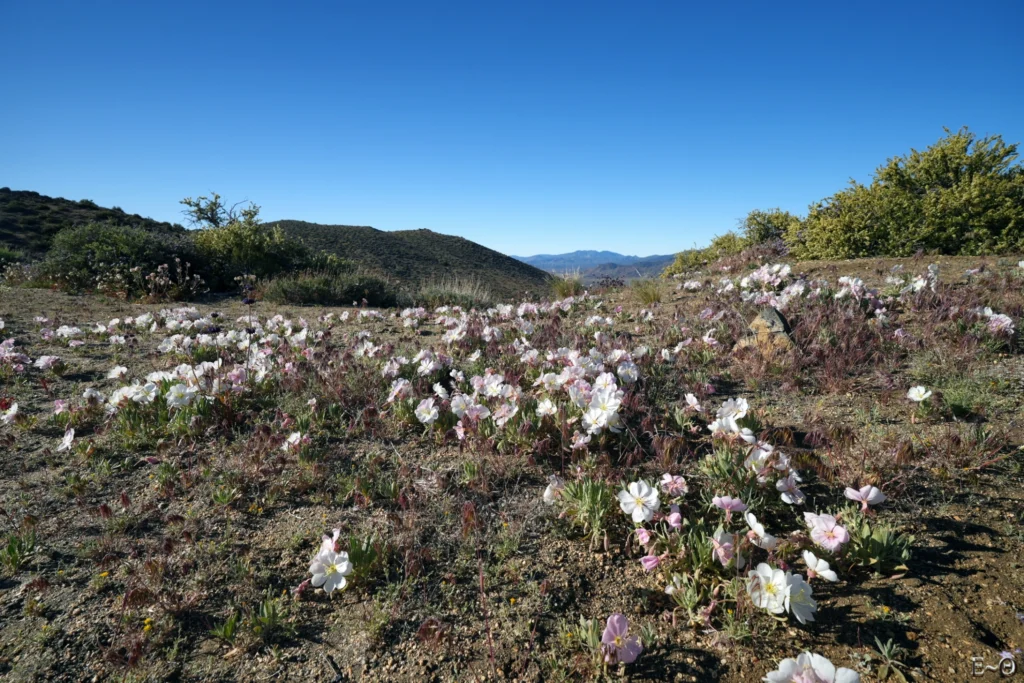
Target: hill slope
[29, 220]
[418, 256]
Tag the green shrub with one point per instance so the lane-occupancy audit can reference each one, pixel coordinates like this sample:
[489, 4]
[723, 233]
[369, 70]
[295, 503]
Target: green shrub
[9, 256]
[767, 226]
[248, 247]
[114, 258]
[328, 288]
[962, 195]
[454, 292]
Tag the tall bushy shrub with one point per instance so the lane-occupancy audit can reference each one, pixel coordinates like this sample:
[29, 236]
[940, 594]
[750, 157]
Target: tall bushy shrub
[249, 247]
[91, 255]
[962, 195]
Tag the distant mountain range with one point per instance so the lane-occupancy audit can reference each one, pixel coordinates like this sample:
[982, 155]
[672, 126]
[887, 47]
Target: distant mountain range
[594, 265]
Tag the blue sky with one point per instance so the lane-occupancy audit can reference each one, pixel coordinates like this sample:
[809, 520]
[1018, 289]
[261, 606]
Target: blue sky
[529, 127]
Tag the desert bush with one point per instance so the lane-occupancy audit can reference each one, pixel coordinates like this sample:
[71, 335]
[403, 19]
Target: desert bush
[569, 283]
[455, 291]
[113, 257]
[768, 226]
[250, 247]
[327, 287]
[962, 195]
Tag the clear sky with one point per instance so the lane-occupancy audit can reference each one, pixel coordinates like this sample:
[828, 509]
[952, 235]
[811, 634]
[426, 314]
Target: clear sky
[530, 127]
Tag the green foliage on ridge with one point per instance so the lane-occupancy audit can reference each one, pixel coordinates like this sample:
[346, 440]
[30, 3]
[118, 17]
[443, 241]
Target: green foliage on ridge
[963, 195]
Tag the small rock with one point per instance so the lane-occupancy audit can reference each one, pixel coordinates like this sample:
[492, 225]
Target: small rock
[769, 333]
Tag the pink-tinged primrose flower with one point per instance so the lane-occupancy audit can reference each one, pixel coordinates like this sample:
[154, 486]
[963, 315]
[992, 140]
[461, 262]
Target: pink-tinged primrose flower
[617, 644]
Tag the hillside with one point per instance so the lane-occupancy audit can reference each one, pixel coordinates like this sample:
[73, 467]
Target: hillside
[418, 256]
[594, 265]
[29, 220]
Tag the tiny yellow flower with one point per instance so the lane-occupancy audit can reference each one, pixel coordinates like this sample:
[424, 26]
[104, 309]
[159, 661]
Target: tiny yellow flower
[104, 574]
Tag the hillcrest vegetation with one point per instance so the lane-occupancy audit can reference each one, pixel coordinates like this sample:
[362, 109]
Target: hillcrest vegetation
[78, 247]
[964, 195]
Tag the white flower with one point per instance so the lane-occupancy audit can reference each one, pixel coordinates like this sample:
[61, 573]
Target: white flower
[460, 404]
[179, 396]
[92, 396]
[628, 372]
[734, 408]
[553, 490]
[810, 668]
[640, 501]
[799, 602]
[329, 570]
[545, 408]
[918, 394]
[761, 538]
[692, 403]
[47, 362]
[400, 388]
[791, 493]
[818, 567]
[293, 442]
[767, 588]
[426, 411]
[7, 417]
[145, 393]
[65, 444]
[117, 372]
[440, 391]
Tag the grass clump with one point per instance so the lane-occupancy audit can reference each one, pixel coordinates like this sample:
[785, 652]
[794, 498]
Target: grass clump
[569, 283]
[646, 290]
[327, 287]
[464, 292]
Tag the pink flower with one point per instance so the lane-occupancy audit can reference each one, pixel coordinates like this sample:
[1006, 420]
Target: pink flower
[643, 535]
[723, 547]
[730, 505]
[674, 518]
[826, 532]
[616, 642]
[650, 562]
[867, 495]
[59, 406]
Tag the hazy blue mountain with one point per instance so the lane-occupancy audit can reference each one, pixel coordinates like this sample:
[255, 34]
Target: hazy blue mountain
[594, 265]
